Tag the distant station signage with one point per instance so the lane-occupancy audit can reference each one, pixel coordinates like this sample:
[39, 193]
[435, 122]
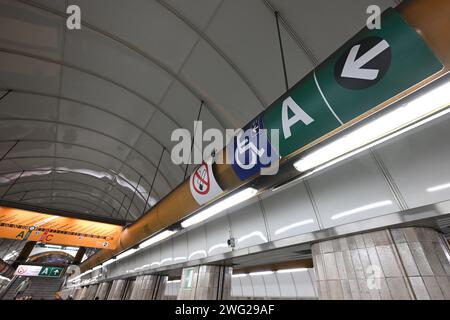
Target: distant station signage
[38, 271]
[33, 226]
[372, 67]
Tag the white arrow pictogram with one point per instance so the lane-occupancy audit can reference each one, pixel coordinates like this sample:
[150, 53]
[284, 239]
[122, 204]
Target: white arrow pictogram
[353, 67]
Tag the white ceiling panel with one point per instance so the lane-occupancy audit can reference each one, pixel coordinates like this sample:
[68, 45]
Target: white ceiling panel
[32, 149]
[108, 58]
[5, 146]
[23, 105]
[298, 64]
[88, 117]
[325, 25]
[75, 152]
[7, 166]
[81, 179]
[173, 173]
[211, 74]
[23, 187]
[30, 30]
[84, 137]
[128, 20]
[251, 42]
[55, 4]
[162, 127]
[19, 72]
[181, 105]
[89, 89]
[29, 164]
[25, 129]
[199, 12]
[60, 185]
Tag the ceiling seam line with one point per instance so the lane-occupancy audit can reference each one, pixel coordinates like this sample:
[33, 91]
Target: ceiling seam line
[96, 108]
[65, 197]
[58, 107]
[46, 203]
[204, 37]
[64, 181]
[73, 159]
[87, 129]
[131, 47]
[297, 39]
[62, 64]
[145, 127]
[68, 143]
[61, 189]
[174, 79]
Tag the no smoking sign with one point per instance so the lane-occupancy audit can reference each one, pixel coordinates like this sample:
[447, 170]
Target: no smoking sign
[203, 185]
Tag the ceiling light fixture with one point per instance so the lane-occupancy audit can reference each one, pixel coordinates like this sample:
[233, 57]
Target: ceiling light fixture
[220, 206]
[108, 262]
[159, 237]
[260, 273]
[292, 270]
[126, 253]
[412, 114]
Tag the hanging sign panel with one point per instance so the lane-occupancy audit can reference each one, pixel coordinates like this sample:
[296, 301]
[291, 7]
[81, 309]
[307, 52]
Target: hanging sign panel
[374, 66]
[38, 271]
[251, 150]
[34, 226]
[203, 185]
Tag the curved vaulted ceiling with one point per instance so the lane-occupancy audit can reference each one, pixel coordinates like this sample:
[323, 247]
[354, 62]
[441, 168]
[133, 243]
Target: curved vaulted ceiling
[93, 109]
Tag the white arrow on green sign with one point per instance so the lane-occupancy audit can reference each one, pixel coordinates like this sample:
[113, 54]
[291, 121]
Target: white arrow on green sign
[374, 66]
[54, 272]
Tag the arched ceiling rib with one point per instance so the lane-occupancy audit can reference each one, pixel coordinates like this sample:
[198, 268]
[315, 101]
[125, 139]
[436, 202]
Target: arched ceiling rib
[127, 44]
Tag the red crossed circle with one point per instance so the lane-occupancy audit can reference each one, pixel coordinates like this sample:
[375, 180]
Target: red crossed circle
[201, 180]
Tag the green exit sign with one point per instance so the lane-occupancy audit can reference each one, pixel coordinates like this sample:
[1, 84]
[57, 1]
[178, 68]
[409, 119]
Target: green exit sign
[372, 67]
[52, 272]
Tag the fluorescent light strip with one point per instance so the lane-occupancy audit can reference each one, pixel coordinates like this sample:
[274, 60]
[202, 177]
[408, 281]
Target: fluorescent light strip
[292, 270]
[224, 204]
[108, 262]
[377, 130]
[174, 281]
[159, 237]
[97, 267]
[361, 209]
[126, 254]
[260, 273]
[439, 187]
[294, 225]
[239, 275]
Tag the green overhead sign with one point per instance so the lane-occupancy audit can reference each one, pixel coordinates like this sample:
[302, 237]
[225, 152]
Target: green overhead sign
[38, 271]
[52, 272]
[372, 67]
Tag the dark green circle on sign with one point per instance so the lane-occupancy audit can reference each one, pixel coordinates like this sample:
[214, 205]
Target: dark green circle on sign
[359, 75]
